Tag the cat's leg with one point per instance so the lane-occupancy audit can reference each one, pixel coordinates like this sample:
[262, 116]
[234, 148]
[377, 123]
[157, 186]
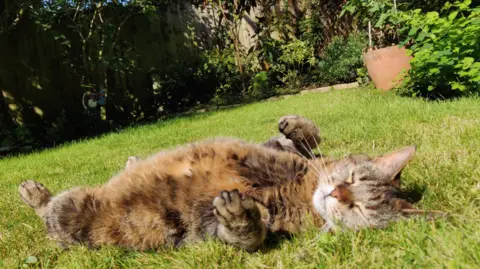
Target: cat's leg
[35, 195]
[299, 135]
[301, 131]
[239, 220]
[67, 216]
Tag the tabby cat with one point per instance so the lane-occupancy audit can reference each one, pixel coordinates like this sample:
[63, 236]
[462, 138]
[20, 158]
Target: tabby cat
[229, 189]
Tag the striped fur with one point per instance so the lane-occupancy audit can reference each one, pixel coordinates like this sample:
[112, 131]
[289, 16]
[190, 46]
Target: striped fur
[226, 188]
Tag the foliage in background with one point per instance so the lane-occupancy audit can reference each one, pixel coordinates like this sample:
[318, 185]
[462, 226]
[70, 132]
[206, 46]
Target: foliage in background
[446, 49]
[228, 77]
[383, 16]
[294, 63]
[442, 37]
[445, 170]
[341, 59]
[379, 13]
[291, 50]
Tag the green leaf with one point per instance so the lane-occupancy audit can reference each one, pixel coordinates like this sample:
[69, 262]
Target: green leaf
[452, 15]
[421, 37]
[381, 20]
[374, 9]
[458, 86]
[412, 31]
[464, 74]
[464, 5]
[467, 62]
[434, 71]
[432, 16]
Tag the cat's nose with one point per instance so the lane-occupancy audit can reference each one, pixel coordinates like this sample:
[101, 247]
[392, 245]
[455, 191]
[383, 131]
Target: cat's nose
[342, 194]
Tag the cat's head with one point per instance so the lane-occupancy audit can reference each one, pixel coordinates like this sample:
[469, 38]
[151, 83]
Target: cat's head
[358, 191]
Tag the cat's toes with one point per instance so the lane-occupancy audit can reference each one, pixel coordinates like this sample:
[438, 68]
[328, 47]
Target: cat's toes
[231, 210]
[227, 206]
[131, 160]
[299, 129]
[239, 220]
[286, 124]
[34, 193]
[248, 203]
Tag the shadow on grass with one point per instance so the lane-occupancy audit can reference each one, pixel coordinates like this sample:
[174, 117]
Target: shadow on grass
[413, 194]
[273, 241]
[112, 129]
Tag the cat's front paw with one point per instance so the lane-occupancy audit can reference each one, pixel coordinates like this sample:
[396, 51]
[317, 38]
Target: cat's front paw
[239, 220]
[231, 210]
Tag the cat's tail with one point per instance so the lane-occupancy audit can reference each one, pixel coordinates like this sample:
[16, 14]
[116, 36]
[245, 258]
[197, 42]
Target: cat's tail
[35, 195]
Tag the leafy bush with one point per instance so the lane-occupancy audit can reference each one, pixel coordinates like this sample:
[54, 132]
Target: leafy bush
[295, 61]
[383, 16]
[362, 76]
[260, 86]
[379, 13]
[228, 89]
[183, 85]
[341, 59]
[446, 51]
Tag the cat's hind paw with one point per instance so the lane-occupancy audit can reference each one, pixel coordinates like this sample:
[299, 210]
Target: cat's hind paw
[34, 194]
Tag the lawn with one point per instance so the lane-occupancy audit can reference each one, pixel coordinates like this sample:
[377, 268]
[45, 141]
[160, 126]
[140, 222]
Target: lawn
[446, 167]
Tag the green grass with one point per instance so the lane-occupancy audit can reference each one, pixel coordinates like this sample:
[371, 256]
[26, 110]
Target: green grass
[446, 165]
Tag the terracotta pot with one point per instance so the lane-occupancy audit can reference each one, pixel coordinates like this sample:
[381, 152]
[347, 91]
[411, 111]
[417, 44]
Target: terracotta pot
[385, 65]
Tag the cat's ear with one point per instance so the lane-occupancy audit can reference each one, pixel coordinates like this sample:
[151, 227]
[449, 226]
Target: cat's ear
[391, 164]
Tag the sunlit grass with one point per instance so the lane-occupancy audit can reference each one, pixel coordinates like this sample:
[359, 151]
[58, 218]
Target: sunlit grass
[446, 165]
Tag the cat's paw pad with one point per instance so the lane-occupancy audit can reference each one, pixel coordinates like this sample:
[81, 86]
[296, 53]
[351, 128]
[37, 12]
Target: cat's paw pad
[34, 193]
[231, 210]
[131, 161]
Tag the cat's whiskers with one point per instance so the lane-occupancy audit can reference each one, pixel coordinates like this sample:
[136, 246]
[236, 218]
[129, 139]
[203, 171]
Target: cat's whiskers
[308, 160]
[323, 161]
[325, 228]
[363, 217]
[310, 150]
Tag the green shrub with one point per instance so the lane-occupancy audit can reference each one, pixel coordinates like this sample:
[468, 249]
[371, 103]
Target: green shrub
[229, 86]
[260, 86]
[341, 59]
[186, 83]
[362, 76]
[294, 63]
[446, 51]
